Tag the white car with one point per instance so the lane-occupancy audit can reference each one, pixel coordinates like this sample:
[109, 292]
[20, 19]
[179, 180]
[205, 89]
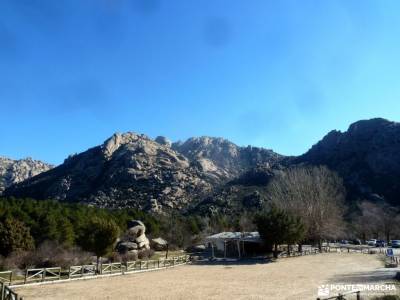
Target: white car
[371, 242]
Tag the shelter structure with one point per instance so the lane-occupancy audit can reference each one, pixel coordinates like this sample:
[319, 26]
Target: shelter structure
[234, 244]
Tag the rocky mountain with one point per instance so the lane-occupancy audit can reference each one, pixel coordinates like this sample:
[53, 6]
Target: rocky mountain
[367, 156]
[223, 159]
[212, 174]
[15, 171]
[131, 170]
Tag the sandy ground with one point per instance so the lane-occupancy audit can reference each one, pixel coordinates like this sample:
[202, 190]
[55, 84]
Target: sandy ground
[292, 278]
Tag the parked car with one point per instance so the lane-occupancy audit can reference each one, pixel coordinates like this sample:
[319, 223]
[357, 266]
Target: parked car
[344, 242]
[371, 242]
[380, 243]
[357, 242]
[395, 243]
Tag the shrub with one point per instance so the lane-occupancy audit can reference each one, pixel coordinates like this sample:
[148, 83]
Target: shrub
[129, 256]
[145, 253]
[49, 254]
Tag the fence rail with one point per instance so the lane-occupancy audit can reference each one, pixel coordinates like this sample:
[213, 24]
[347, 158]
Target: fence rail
[8, 294]
[6, 276]
[39, 275]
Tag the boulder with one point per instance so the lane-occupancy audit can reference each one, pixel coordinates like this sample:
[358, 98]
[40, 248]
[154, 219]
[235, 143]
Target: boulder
[162, 140]
[123, 247]
[143, 242]
[197, 248]
[136, 229]
[159, 244]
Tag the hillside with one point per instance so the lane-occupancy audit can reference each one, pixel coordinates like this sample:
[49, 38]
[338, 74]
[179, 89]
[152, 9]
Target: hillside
[131, 170]
[15, 171]
[206, 174]
[367, 156]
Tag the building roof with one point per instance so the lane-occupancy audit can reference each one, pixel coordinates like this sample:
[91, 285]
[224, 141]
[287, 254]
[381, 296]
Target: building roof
[242, 236]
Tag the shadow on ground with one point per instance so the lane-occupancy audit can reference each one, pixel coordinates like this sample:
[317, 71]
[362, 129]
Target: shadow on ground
[232, 262]
[379, 275]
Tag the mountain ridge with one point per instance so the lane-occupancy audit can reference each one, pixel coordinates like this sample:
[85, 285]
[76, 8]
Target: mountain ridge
[133, 170]
[17, 170]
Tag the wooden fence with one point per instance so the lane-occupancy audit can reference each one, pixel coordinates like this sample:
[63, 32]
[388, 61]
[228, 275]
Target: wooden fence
[41, 275]
[7, 293]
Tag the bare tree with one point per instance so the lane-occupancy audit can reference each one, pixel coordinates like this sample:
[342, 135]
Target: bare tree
[315, 194]
[377, 220]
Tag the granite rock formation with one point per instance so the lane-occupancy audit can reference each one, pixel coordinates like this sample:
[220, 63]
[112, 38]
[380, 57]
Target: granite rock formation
[15, 171]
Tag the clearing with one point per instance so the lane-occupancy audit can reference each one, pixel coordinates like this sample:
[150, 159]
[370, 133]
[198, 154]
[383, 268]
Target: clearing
[291, 278]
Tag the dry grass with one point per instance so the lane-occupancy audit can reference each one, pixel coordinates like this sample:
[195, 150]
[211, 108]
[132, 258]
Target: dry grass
[293, 278]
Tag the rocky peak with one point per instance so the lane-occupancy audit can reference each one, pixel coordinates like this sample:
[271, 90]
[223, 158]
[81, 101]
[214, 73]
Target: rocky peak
[15, 171]
[224, 158]
[162, 140]
[127, 170]
[366, 156]
[117, 140]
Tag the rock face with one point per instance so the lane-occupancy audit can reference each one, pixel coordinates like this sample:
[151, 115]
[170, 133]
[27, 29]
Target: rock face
[132, 170]
[212, 174]
[223, 159]
[367, 156]
[127, 170]
[15, 171]
[135, 238]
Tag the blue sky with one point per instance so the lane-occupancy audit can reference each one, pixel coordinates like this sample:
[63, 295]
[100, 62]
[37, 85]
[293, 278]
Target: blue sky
[276, 74]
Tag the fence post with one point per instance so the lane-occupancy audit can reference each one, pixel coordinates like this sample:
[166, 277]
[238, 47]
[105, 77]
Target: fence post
[26, 275]
[2, 290]
[358, 295]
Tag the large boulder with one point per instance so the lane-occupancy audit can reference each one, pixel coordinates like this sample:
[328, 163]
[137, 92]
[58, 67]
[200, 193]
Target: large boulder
[159, 244]
[123, 247]
[135, 238]
[136, 229]
[143, 242]
[162, 140]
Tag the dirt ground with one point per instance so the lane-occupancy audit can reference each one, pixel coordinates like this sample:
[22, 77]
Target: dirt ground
[291, 278]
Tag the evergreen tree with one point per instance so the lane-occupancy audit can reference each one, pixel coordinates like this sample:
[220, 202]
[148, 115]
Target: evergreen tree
[279, 227]
[14, 235]
[99, 236]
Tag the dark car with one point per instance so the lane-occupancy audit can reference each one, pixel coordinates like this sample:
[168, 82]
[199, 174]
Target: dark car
[380, 243]
[395, 243]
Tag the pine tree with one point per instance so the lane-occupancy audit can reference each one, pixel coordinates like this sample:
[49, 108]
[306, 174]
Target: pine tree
[279, 227]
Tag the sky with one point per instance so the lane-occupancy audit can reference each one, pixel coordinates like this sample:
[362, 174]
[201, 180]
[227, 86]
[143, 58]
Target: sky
[274, 74]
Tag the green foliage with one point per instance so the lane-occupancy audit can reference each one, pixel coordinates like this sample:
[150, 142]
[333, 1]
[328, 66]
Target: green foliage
[194, 225]
[67, 224]
[99, 236]
[14, 236]
[279, 227]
